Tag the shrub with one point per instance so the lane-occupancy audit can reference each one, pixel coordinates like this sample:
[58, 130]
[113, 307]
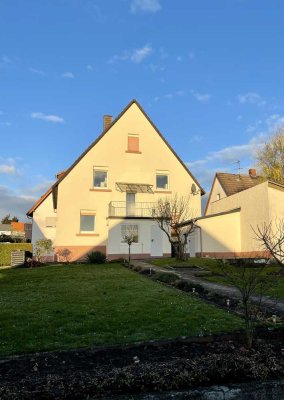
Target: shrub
[166, 277]
[96, 257]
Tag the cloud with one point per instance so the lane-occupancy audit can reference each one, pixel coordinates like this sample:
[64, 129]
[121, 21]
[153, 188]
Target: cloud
[90, 67]
[14, 204]
[45, 117]
[140, 54]
[41, 188]
[4, 61]
[251, 98]
[196, 139]
[68, 74]
[136, 56]
[37, 71]
[202, 97]
[150, 6]
[8, 169]
[6, 123]
[170, 96]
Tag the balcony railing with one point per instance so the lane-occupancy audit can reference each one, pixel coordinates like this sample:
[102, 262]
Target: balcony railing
[123, 209]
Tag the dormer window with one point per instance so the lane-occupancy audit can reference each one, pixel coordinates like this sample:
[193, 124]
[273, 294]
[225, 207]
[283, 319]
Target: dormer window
[100, 178]
[133, 144]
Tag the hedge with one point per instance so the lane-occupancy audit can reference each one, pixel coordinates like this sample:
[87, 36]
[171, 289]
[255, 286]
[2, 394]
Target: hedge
[7, 248]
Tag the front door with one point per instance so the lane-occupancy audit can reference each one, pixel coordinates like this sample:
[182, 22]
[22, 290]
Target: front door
[156, 241]
[130, 204]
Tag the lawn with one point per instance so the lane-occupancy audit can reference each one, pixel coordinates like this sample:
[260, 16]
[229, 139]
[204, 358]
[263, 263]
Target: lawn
[71, 306]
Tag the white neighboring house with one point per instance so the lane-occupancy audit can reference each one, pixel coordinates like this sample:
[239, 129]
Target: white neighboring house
[112, 188]
[5, 229]
[237, 204]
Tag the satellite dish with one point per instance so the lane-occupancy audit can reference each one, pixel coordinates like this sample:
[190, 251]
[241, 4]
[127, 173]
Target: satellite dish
[193, 189]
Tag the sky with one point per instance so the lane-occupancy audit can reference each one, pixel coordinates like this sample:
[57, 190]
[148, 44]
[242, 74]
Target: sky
[208, 73]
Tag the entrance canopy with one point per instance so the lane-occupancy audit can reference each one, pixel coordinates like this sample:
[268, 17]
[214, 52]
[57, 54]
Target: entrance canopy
[134, 187]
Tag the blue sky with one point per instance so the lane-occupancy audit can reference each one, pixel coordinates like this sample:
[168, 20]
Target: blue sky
[208, 73]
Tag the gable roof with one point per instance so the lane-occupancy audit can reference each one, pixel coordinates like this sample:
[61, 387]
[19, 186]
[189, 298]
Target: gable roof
[66, 172]
[235, 183]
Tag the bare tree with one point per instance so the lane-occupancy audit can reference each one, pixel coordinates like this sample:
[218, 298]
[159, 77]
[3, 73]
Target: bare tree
[252, 282]
[174, 217]
[271, 236]
[130, 236]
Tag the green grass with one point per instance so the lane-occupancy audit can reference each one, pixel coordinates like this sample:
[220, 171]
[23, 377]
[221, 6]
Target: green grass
[191, 262]
[71, 306]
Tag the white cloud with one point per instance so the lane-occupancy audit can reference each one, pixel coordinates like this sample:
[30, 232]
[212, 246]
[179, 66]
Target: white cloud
[136, 56]
[68, 74]
[251, 98]
[8, 169]
[41, 188]
[90, 67]
[140, 54]
[151, 6]
[196, 139]
[46, 117]
[37, 71]
[202, 97]
[274, 122]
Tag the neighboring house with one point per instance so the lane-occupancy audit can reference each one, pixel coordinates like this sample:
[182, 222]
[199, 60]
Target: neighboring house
[28, 231]
[111, 189]
[237, 204]
[5, 229]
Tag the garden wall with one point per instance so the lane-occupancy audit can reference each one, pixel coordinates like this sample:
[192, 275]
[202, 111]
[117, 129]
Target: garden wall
[7, 248]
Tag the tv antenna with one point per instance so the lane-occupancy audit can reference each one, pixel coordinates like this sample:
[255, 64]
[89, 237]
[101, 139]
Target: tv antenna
[239, 168]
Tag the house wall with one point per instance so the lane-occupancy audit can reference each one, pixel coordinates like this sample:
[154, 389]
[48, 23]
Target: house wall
[142, 249]
[76, 191]
[276, 202]
[39, 229]
[254, 206]
[221, 236]
[216, 189]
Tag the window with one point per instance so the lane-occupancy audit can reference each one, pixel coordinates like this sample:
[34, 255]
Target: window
[100, 178]
[87, 222]
[162, 181]
[218, 197]
[50, 222]
[127, 230]
[133, 144]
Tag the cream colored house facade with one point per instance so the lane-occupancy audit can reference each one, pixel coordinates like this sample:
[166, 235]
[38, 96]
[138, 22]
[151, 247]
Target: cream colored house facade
[237, 204]
[111, 189]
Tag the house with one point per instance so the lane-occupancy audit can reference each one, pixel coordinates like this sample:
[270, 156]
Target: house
[5, 229]
[111, 189]
[237, 205]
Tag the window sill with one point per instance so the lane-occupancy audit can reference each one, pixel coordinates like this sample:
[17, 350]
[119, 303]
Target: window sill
[100, 190]
[133, 152]
[87, 234]
[163, 191]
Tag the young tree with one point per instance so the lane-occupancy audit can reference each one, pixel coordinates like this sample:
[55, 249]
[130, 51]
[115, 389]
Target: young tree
[271, 236]
[250, 281]
[43, 247]
[171, 213]
[130, 236]
[271, 158]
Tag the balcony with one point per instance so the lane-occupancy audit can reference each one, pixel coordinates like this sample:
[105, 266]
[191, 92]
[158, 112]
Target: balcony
[134, 210]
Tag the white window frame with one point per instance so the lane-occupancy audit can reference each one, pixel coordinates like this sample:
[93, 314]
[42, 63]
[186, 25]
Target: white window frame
[88, 213]
[163, 173]
[100, 169]
[126, 225]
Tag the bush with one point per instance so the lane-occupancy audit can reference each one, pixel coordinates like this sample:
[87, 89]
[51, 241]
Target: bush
[7, 248]
[166, 277]
[186, 286]
[96, 257]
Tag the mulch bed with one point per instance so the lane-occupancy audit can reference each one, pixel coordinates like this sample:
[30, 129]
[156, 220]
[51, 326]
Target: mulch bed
[145, 367]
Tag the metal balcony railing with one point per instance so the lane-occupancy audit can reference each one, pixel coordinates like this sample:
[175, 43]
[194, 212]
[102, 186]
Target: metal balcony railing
[123, 209]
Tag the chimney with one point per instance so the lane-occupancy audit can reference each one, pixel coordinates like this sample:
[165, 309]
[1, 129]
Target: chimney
[107, 121]
[252, 173]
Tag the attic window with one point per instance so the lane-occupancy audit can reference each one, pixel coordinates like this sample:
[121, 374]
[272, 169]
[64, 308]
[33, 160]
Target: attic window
[133, 144]
[218, 197]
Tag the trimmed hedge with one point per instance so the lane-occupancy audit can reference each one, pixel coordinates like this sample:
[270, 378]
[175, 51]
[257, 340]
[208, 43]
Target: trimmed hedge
[7, 248]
